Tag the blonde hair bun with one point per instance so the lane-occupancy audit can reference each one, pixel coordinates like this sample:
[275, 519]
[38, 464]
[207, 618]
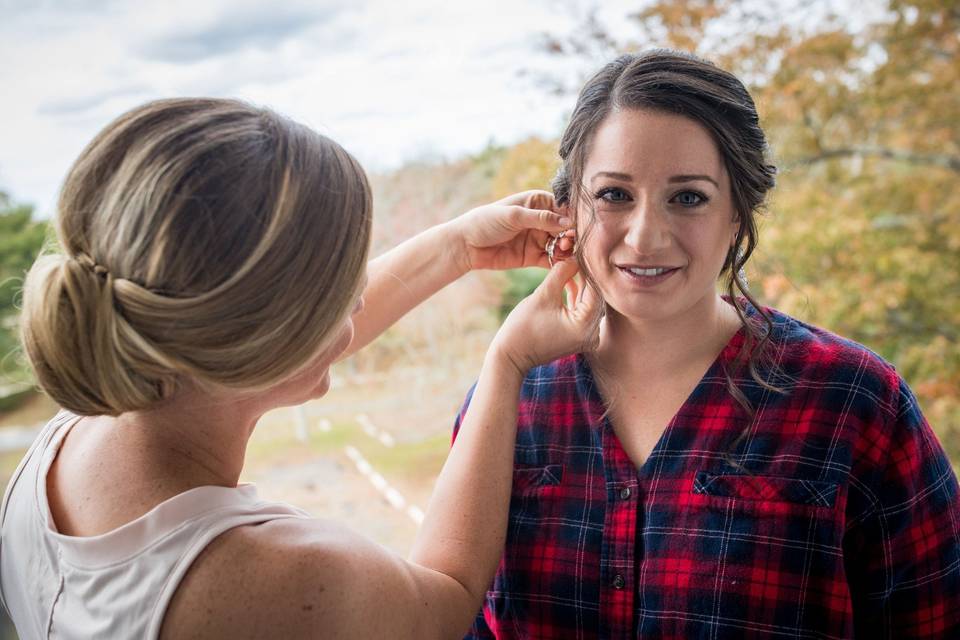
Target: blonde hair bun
[200, 238]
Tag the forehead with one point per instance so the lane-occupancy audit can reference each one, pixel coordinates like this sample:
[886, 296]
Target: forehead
[653, 143]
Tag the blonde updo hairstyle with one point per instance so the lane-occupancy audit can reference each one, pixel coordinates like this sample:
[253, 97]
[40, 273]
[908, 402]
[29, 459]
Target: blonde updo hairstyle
[201, 239]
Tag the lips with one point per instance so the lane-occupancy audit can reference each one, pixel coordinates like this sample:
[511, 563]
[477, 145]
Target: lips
[648, 275]
[648, 271]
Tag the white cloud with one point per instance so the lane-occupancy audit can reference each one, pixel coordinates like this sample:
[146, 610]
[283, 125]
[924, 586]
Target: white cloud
[389, 80]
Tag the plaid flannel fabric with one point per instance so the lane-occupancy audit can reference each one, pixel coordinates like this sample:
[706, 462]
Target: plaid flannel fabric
[846, 525]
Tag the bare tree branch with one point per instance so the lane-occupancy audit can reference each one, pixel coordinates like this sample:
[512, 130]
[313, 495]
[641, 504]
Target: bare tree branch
[939, 160]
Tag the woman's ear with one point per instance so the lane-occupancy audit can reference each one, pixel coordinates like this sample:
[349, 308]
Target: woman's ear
[734, 231]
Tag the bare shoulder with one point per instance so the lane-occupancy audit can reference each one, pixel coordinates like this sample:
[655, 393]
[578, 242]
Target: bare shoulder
[289, 578]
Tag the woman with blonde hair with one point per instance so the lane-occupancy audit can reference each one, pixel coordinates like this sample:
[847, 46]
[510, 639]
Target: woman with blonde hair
[213, 260]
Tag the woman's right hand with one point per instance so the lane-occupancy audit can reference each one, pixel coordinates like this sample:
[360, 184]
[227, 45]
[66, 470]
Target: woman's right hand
[542, 328]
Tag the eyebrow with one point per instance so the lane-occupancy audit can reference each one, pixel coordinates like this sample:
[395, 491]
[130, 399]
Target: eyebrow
[691, 178]
[626, 177]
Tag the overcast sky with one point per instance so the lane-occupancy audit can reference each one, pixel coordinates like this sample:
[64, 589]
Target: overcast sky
[391, 80]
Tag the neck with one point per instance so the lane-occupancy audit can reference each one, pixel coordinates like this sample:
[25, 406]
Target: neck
[194, 439]
[667, 344]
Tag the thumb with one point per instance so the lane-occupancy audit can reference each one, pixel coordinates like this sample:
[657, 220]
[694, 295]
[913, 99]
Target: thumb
[558, 276]
[590, 305]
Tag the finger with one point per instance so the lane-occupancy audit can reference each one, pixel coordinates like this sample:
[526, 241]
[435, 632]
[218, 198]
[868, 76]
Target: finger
[532, 198]
[590, 305]
[558, 276]
[572, 287]
[539, 199]
[542, 219]
[566, 245]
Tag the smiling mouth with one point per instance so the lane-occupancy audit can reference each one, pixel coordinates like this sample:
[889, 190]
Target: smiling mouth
[649, 276]
[654, 271]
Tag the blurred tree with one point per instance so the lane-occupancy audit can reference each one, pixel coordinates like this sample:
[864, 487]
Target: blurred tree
[862, 112]
[530, 164]
[21, 239]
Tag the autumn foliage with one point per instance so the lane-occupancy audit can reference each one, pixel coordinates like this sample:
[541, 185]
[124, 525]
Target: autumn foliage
[862, 113]
[861, 235]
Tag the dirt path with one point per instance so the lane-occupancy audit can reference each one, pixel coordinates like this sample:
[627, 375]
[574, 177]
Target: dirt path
[318, 474]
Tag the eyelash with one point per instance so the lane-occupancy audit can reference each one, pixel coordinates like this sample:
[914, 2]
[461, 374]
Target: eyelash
[599, 195]
[703, 199]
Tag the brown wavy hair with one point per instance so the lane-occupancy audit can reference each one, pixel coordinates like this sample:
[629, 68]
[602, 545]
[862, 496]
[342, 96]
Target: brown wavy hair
[683, 84]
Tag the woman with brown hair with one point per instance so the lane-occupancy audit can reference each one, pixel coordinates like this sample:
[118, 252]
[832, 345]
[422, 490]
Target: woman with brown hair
[213, 260]
[715, 469]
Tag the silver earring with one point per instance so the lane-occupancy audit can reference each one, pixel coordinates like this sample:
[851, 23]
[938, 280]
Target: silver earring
[551, 247]
[741, 274]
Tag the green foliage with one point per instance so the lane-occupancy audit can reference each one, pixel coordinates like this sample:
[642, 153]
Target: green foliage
[520, 284]
[21, 239]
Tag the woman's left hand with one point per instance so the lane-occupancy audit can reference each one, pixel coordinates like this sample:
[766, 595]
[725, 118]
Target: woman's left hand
[510, 233]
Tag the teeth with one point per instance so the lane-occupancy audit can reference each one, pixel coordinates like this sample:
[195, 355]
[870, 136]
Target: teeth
[649, 272]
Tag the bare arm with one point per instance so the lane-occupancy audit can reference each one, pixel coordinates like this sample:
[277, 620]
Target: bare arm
[304, 578]
[404, 277]
[507, 234]
[462, 535]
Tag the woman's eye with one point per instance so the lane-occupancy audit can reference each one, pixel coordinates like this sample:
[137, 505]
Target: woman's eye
[689, 198]
[612, 194]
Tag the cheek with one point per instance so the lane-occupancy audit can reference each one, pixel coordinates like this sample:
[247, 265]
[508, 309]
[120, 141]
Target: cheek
[345, 339]
[323, 362]
[595, 244]
[696, 234]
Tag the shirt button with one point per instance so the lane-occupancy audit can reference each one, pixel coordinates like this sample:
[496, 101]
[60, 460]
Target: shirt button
[624, 493]
[618, 581]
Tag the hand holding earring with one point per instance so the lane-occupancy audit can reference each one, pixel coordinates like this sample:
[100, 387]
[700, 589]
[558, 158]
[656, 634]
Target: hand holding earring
[554, 248]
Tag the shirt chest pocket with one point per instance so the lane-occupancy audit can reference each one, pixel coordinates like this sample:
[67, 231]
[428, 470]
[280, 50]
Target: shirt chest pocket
[762, 513]
[536, 501]
[769, 490]
[751, 549]
[534, 478]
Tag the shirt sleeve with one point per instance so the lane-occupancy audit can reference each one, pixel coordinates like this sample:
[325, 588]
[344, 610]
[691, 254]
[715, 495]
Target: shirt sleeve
[480, 630]
[903, 554]
[462, 413]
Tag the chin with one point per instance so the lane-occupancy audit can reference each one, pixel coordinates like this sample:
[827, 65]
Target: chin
[638, 308]
[322, 388]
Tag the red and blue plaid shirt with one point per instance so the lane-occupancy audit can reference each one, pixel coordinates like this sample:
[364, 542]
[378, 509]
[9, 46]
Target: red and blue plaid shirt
[846, 525]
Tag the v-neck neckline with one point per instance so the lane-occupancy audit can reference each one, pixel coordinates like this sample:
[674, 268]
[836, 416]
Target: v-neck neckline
[725, 355]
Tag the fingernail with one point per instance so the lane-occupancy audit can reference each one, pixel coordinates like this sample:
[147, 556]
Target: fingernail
[566, 222]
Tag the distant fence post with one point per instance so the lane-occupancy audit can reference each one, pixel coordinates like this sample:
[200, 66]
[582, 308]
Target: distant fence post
[300, 418]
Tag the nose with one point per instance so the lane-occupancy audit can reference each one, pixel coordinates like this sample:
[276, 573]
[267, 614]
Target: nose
[648, 230]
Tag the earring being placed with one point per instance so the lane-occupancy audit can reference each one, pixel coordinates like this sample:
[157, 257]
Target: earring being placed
[551, 248]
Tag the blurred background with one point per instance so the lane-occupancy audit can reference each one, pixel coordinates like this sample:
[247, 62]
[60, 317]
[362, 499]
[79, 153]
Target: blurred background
[452, 106]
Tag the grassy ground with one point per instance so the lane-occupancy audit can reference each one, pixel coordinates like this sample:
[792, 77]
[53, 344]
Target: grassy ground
[416, 407]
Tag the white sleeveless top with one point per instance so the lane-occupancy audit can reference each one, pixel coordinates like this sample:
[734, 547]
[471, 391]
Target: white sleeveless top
[115, 585]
